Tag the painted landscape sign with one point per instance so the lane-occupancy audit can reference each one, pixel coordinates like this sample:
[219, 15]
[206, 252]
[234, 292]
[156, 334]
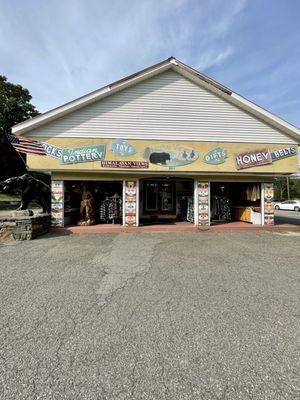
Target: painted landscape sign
[172, 156]
[76, 155]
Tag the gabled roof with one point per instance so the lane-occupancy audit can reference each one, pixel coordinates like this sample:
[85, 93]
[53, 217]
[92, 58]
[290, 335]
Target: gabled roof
[179, 67]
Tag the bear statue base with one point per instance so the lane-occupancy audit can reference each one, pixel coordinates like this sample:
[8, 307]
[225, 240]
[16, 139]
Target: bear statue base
[24, 227]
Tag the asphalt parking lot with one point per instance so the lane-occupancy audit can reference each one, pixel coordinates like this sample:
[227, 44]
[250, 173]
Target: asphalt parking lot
[195, 315]
[287, 217]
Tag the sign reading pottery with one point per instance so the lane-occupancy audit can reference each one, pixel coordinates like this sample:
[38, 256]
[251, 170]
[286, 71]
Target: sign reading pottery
[283, 153]
[122, 148]
[125, 164]
[175, 156]
[215, 156]
[83, 154]
[52, 151]
[253, 159]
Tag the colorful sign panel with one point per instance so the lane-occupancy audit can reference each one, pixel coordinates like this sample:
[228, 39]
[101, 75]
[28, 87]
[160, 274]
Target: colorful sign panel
[283, 153]
[122, 148]
[76, 155]
[130, 201]
[125, 164]
[203, 203]
[253, 158]
[269, 203]
[57, 203]
[215, 156]
[170, 157]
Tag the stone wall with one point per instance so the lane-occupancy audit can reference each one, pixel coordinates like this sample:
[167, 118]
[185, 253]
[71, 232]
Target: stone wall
[24, 227]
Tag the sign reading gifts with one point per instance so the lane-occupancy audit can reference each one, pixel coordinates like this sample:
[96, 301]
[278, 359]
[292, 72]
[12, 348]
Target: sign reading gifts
[215, 156]
[76, 155]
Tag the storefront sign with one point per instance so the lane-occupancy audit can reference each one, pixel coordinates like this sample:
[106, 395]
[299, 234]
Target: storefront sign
[52, 151]
[170, 157]
[215, 156]
[253, 159]
[122, 148]
[125, 164]
[283, 153]
[83, 154]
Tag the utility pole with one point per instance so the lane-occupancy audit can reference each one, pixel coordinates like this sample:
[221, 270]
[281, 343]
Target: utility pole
[288, 187]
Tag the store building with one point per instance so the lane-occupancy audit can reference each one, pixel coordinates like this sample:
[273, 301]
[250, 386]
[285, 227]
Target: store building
[165, 144]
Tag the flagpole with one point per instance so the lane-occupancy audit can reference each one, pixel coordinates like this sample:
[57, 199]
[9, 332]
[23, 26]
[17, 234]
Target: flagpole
[26, 166]
[19, 155]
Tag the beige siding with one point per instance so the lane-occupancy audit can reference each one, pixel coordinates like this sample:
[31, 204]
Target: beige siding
[165, 107]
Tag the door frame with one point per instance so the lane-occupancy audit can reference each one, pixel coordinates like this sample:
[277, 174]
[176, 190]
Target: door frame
[159, 211]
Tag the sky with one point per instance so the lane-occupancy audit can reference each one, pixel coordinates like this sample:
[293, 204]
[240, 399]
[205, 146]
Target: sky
[62, 49]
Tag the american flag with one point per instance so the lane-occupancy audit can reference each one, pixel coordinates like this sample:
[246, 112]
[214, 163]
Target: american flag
[23, 145]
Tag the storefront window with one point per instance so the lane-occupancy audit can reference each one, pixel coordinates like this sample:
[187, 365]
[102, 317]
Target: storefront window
[151, 196]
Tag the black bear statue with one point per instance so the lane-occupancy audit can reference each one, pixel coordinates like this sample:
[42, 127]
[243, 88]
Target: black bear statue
[29, 189]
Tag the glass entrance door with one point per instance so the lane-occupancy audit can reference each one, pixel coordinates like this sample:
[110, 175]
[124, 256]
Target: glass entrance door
[159, 198]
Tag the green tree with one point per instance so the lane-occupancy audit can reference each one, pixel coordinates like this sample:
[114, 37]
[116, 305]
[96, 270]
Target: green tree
[281, 192]
[15, 107]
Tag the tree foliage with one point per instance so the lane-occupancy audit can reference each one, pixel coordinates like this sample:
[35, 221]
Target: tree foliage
[15, 107]
[281, 190]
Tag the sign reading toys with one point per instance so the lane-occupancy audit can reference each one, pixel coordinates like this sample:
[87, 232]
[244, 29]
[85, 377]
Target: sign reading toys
[122, 148]
[253, 158]
[83, 154]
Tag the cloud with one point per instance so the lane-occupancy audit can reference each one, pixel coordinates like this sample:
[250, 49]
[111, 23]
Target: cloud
[212, 58]
[61, 50]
